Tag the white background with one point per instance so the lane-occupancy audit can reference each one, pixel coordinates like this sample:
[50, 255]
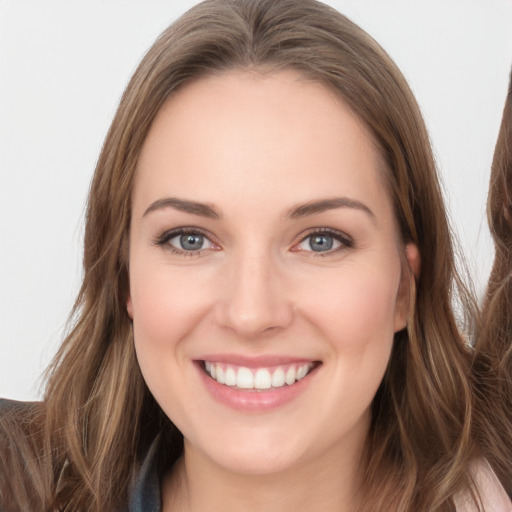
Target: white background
[63, 67]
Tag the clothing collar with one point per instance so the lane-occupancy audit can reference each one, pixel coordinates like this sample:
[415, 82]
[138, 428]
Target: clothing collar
[145, 493]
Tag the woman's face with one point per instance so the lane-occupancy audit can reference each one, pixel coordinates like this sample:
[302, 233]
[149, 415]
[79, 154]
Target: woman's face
[265, 271]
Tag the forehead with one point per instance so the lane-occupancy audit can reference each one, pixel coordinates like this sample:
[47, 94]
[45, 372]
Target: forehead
[256, 134]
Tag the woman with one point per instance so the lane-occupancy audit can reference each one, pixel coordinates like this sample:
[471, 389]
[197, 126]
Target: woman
[492, 366]
[264, 321]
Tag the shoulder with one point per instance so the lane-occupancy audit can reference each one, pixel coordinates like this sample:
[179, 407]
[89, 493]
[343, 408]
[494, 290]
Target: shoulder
[17, 421]
[14, 413]
[20, 425]
[489, 489]
[9, 406]
[20, 455]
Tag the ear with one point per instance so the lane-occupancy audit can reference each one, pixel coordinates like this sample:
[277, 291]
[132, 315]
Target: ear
[125, 275]
[412, 255]
[129, 305]
[410, 272]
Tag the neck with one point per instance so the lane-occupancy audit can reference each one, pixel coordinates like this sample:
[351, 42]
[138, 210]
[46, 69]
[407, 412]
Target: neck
[328, 482]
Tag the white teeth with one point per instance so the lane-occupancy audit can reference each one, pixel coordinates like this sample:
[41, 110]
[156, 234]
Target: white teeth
[220, 375]
[262, 378]
[302, 371]
[244, 378]
[230, 377]
[290, 376]
[278, 378]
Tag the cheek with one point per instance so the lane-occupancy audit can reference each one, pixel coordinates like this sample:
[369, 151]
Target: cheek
[356, 307]
[166, 302]
[167, 305]
[354, 316]
[356, 319]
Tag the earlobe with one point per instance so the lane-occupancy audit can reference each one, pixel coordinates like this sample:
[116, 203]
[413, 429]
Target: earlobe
[413, 259]
[406, 293]
[129, 306]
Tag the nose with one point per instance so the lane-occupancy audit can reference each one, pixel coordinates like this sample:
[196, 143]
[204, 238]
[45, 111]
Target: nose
[255, 301]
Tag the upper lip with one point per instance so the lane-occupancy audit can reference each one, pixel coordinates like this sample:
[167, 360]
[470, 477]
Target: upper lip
[255, 361]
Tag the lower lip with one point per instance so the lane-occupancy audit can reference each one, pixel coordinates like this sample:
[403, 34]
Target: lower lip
[253, 400]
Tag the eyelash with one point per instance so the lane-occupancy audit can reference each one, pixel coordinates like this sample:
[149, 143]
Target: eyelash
[345, 241]
[163, 240]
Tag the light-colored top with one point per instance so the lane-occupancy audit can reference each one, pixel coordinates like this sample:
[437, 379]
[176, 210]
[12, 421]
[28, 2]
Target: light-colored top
[491, 492]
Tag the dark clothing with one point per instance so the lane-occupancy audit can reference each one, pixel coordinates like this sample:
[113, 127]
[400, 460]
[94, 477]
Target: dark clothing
[145, 495]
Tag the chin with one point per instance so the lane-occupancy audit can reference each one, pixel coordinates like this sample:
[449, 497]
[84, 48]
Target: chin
[260, 463]
[252, 455]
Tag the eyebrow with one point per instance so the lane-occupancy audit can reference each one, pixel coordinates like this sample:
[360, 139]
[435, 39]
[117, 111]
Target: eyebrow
[322, 205]
[184, 205]
[297, 212]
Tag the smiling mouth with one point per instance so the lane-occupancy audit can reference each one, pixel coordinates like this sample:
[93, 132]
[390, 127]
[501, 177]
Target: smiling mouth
[258, 379]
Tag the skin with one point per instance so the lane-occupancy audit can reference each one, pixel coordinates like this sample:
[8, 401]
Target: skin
[255, 146]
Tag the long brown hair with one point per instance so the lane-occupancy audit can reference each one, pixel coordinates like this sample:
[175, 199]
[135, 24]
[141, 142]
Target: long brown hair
[492, 367]
[98, 417]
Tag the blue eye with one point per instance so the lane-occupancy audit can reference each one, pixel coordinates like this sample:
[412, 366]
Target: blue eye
[188, 241]
[320, 243]
[183, 242]
[324, 242]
